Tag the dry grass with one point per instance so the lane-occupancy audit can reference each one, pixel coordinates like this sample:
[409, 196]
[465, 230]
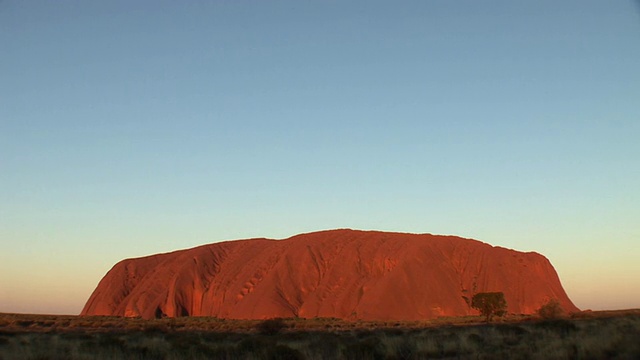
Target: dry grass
[589, 335]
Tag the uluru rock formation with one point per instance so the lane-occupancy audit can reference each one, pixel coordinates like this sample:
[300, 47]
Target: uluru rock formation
[346, 274]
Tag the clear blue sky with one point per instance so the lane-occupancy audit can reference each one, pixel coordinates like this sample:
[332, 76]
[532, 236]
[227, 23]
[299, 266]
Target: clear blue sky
[129, 128]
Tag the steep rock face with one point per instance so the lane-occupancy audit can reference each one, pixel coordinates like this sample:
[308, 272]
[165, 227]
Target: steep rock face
[346, 274]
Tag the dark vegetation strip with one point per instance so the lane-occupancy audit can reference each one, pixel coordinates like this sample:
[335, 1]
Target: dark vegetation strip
[589, 336]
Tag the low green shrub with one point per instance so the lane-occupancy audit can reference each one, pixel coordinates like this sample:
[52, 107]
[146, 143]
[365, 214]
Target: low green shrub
[559, 326]
[551, 310]
[271, 326]
[283, 352]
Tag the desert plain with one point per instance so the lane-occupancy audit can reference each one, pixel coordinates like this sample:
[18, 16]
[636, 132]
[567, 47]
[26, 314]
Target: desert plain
[580, 335]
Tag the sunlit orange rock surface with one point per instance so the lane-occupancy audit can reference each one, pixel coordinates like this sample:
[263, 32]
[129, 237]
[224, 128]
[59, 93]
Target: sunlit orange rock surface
[345, 274]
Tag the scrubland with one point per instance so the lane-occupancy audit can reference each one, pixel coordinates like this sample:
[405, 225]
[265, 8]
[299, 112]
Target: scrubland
[585, 335]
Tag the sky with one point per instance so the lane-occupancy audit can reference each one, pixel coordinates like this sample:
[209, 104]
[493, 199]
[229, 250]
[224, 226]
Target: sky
[134, 128]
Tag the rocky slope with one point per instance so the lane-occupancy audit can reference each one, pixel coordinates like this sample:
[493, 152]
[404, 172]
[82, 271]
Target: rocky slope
[345, 274]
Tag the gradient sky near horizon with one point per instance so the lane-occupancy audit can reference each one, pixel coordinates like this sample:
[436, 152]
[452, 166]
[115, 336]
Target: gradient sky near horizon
[129, 128]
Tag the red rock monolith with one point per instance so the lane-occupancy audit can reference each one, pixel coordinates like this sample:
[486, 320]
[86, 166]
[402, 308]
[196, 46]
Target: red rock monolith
[345, 274]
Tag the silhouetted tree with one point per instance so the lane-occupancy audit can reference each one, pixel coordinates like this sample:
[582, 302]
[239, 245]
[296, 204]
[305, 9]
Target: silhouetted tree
[551, 310]
[489, 304]
[271, 326]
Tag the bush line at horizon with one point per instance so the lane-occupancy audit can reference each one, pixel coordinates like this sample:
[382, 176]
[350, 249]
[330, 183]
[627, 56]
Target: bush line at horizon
[591, 337]
[25, 322]
[53, 323]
